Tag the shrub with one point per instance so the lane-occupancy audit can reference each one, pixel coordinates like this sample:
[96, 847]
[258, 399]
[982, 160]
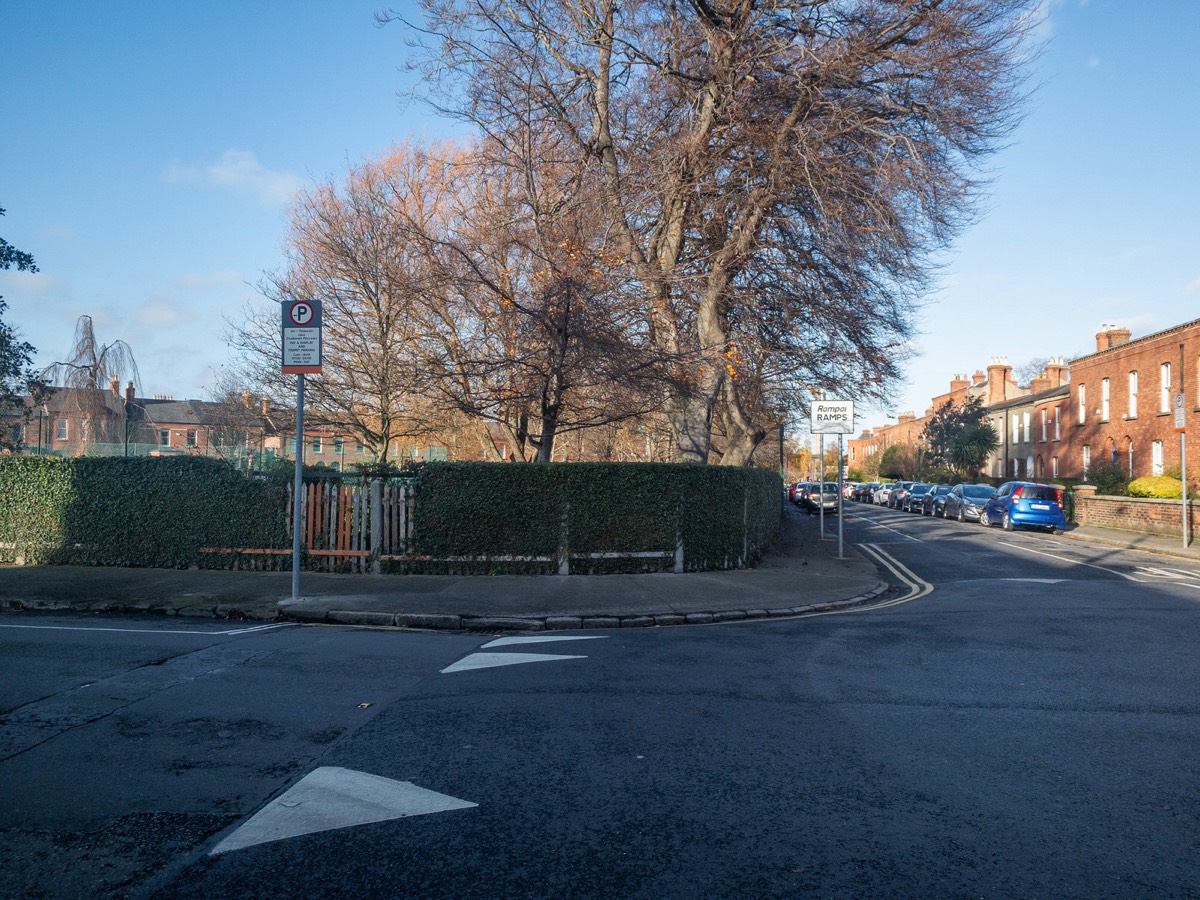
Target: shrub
[1159, 487]
[476, 512]
[142, 511]
[1108, 478]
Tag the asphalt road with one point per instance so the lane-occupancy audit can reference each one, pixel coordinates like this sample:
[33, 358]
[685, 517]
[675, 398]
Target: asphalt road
[1018, 719]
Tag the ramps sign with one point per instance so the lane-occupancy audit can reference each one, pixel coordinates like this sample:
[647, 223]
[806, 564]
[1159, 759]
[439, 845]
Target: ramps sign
[832, 417]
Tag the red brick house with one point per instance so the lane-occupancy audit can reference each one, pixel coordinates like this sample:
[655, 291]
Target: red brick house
[1122, 404]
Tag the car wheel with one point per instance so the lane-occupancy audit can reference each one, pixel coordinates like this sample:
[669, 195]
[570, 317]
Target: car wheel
[1006, 523]
[983, 519]
[962, 514]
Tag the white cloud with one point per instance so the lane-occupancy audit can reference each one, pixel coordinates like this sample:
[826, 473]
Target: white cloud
[238, 170]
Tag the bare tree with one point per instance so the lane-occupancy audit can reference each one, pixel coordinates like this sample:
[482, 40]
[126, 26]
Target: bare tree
[530, 325]
[90, 379]
[776, 170]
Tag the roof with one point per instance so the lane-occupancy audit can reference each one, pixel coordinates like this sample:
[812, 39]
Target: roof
[1148, 337]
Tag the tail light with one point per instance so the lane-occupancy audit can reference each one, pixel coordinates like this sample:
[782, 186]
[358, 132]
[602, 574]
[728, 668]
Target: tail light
[1058, 497]
[1017, 493]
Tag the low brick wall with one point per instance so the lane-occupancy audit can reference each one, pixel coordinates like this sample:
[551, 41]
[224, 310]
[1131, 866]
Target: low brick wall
[1139, 514]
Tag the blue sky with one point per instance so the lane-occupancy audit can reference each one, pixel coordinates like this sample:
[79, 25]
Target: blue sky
[150, 150]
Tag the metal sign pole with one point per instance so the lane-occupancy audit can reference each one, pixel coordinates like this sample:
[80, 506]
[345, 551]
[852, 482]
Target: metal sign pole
[821, 487]
[298, 489]
[841, 497]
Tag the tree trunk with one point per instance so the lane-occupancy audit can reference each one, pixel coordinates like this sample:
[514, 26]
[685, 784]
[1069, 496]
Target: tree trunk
[742, 436]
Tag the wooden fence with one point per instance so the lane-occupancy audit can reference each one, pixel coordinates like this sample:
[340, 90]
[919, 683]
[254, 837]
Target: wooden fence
[351, 527]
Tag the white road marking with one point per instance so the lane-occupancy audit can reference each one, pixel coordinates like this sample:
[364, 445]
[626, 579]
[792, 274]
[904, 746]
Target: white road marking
[1155, 572]
[1067, 559]
[543, 639]
[332, 797]
[152, 630]
[874, 524]
[491, 660]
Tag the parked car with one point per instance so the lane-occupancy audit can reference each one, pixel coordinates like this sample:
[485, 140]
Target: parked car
[965, 501]
[898, 491]
[794, 491]
[822, 495]
[883, 493]
[934, 501]
[1025, 504]
[865, 493]
[914, 496]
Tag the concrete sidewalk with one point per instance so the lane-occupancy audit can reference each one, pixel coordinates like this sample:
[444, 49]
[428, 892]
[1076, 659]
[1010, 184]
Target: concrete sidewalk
[802, 575]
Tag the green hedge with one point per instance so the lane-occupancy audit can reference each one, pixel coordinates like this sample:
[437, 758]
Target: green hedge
[474, 513]
[156, 511]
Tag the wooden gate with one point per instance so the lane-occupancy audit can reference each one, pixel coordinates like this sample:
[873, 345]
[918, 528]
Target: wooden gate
[349, 527]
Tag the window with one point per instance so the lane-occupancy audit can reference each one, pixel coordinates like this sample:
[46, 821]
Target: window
[339, 446]
[191, 437]
[317, 446]
[1015, 434]
[1156, 458]
[1131, 459]
[1058, 423]
[61, 431]
[1015, 472]
[292, 446]
[1087, 459]
[1082, 404]
[1104, 398]
[1133, 395]
[1054, 466]
[1044, 424]
[358, 447]
[164, 438]
[1164, 392]
[1025, 424]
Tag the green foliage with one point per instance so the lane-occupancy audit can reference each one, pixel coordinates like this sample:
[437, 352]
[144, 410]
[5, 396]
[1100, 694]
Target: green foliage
[147, 511]
[1108, 478]
[958, 439]
[467, 510]
[899, 462]
[856, 475]
[1159, 487]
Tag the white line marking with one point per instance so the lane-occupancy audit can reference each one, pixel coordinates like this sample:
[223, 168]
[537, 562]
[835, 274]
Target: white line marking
[332, 797]
[542, 639]
[875, 524]
[152, 630]
[492, 660]
[1067, 559]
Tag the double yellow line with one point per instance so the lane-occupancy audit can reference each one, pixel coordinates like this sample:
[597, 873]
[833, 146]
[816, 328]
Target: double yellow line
[917, 587]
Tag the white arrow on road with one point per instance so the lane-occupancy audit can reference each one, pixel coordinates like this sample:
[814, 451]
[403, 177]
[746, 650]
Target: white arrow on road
[331, 797]
[491, 660]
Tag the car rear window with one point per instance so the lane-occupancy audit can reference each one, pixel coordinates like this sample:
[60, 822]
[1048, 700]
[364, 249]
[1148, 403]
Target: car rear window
[1039, 492]
[977, 491]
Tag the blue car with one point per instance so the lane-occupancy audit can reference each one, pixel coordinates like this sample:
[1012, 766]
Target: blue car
[1024, 504]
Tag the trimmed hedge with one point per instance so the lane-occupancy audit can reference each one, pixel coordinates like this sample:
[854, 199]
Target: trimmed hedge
[476, 512]
[1159, 487]
[141, 511]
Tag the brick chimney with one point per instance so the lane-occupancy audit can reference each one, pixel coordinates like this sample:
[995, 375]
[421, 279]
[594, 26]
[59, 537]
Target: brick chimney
[114, 385]
[129, 394]
[1039, 383]
[905, 418]
[978, 378]
[1056, 371]
[264, 406]
[1111, 336]
[959, 383]
[999, 373]
[246, 400]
